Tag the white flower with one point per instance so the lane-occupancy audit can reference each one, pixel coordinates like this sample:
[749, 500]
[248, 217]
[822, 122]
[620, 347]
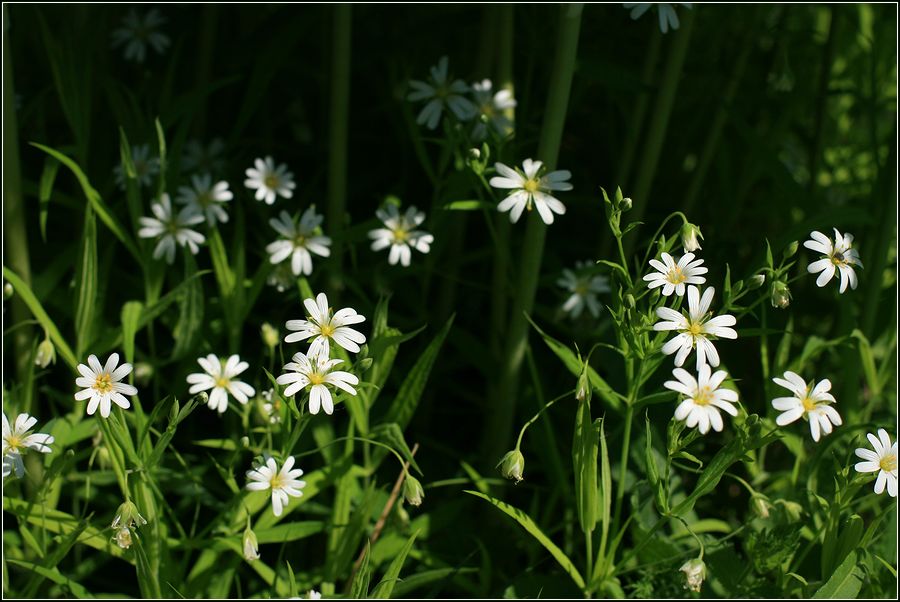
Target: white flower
[439, 93]
[810, 401]
[838, 256]
[400, 234]
[584, 288]
[323, 326]
[220, 377]
[528, 189]
[299, 241]
[272, 406]
[704, 398]
[694, 573]
[667, 16]
[101, 384]
[674, 276]
[491, 108]
[197, 157]
[251, 545]
[283, 483]
[171, 229]
[695, 328]
[17, 439]
[139, 31]
[313, 595]
[145, 167]
[883, 460]
[204, 198]
[270, 181]
[315, 371]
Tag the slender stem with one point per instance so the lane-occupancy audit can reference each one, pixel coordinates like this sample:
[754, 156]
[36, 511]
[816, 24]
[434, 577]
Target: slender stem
[337, 148]
[620, 488]
[541, 411]
[589, 545]
[661, 113]
[500, 423]
[14, 230]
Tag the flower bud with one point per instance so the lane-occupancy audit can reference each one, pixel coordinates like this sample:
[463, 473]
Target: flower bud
[629, 301]
[781, 294]
[583, 391]
[474, 154]
[760, 505]
[251, 546]
[689, 235]
[128, 517]
[313, 595]
[46, 354]
[123, 538]
[8, 291]
[694, 573]
[625, 204]
[270, 335]
[174, 411]
[143, 372]
[756, 281]
[365, 363]
[412, 490]
[790, 250]
[363, 352]
[512, 466]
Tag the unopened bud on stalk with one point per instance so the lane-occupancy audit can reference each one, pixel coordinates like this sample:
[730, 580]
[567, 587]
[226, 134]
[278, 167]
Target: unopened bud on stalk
[143, 372]
[474, 154]
[760, 506]
[781, 294]
[694, 573]
[512, 466]
[791, 250]
[365, 364]
[756, 281]
[689, 237]
[412, 490]
[629, 301]
[8, 291]
[128, 516]
[46, 354]
[270, 335]
[625, 204]
[251, 545]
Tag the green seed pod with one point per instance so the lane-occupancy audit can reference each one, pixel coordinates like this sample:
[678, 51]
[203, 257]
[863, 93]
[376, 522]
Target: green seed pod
[756, 281]
[412, 491]
[46, 354]
[781, 294]
[512, 466]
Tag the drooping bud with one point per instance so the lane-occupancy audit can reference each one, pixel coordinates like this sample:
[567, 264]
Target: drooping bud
[412, 490]
[8, 291]
[128, 516]
[512, 466]
[689, 237]
[251, 545]
[781, 294]
[270, 335]
[583, 391]
[694, 573]
[760, 505]
[791, 250]
[46, 353]
[755, 281]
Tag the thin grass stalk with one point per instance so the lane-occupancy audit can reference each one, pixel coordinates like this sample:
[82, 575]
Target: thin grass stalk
[14, 230]
[661, 113]
[500, 424]
[815, 148]
[337, 147]
[208, 25]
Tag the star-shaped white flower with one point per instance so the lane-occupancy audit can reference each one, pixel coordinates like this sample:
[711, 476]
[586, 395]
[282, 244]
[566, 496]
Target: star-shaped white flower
[171, 229]
[883, 460]
[298, 242]
[400, 234]
[839, 256]
[17, 439]
[491, 109]
[674, 276]
[145, 167]
[139, 31]
[667, 16]
[584, 288]
[440, 92]
[283, 483]
[529, 189]
[810, 401]
[704, 398]
[270, 181]
[695, 328]
[323, 326]
[315, 371]
[101, 384]
[205, 198]
[220, 377]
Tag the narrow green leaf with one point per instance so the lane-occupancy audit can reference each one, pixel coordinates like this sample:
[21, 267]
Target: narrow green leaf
[584, 461]
[34, 306]
[419, 580]
[53, 574]
[45, 190]
[190, 319]
[410, 392]
[163, 159]
[868, 361]
[131, 315]
[386, 587]
[86, 276]
[531, 527]
[845, 582]
[359, 589]
[224, 275]
[290, 531]
[469, 206]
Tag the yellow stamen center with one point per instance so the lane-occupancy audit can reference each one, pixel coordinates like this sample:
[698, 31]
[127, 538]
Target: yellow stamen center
[271, 181]
[316, 379]
[103, 384]
[13, 442]
[675, 275]
[808, 404]
[299, 240]
[277, 481]
[531, 185]
[222, 382]
[581, 289]
[695, 328]
[204, 199]
[888, 463]
[326, 329]
[703, 396]
[400, 235]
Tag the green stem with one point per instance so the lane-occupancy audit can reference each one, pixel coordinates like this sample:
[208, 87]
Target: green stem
[14, 230]
[500, 423]
[620, 488]
[661, 113]
[337, 148]
[541, 411]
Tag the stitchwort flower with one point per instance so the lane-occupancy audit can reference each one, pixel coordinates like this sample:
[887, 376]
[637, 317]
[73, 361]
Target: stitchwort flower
[321, 325]
[17, 439]
[205, 198]
[674, 276]
[400, 234]
[315, 371]
[695, 328]
[270, 181]
[492, 109]
[299, 241]
[138, 32]
[145, 167]
[704, 398]
[440, 92]
[171, 229]
[883, 460]
[809, 401]
[529, 189]
[220, 377]
[283, 483]
[839, 256]
[583, 288]
[102, 386]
